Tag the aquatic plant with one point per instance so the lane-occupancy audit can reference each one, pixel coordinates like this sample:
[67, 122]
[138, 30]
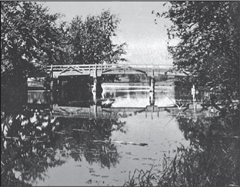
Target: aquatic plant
[211, 159]
[142, 178]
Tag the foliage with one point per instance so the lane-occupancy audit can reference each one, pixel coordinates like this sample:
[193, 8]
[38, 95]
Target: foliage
[29, 38]
[137, 78]
[90, 41]
[33, 141]
[211, 159]
[144, 178]
[209, 42]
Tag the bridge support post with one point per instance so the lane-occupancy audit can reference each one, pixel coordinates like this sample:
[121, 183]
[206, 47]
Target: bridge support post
[152, 84]
[52, 86]
[93, 111]
[95, 97]
[95, 82]
[152, 91]
[193, 92]
[152, 98]
[51, 83]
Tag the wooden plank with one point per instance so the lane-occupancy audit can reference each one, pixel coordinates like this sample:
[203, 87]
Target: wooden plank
[114, 69]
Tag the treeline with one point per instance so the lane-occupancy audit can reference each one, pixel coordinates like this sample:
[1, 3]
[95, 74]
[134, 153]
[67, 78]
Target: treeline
[31, 39]
[209, 43]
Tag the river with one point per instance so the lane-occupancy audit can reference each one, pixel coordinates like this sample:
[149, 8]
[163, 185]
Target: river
[99, 141]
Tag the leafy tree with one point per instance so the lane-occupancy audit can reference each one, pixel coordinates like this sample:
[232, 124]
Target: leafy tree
[29, 37]
[209, 42]
[90, 41]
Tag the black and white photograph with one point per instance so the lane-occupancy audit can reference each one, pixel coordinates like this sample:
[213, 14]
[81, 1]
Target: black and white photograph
[120, 93]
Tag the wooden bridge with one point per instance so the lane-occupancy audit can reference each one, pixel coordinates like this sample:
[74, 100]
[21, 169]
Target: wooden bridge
[97, 70]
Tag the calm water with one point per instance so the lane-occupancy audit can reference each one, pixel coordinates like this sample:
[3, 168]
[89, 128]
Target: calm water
[96, 140]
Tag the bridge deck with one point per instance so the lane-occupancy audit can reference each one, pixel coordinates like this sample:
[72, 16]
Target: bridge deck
[96, 70]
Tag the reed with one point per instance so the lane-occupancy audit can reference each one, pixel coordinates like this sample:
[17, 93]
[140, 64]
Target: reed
[211, 159]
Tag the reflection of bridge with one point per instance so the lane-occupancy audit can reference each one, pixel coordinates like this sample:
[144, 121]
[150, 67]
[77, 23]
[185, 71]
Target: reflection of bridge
[95, 111]
[98, 112]
[97, 70]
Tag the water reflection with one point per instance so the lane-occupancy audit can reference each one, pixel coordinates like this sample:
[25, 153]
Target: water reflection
[120, 100]
[23, 147]
[211, 158]
[34, 141]
[213, 155]
[102, 137]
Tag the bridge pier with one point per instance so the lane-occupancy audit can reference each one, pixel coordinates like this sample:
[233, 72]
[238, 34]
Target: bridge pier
[152, 98]
[95, 97]
[53, 88]
[193, 92]
[97, 88]
[152, 84]
[152, 91]
[95, 83]
[54, 84]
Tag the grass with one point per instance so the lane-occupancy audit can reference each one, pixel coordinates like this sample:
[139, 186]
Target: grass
[143, 178]
[211, 159]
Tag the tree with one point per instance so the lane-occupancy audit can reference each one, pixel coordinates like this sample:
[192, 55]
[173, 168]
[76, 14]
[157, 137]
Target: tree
[209, 42]
[29, 38]
[90, 41]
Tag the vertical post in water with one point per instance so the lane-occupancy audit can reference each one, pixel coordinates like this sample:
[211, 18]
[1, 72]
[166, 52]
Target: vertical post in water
[93, 111]
[94, 84]
[152, 84]
[95, 80]
[152, 98]
[152, 113]
[51, 78]
[94, 107]
[51, 87]
[193, 92]
[95, 98]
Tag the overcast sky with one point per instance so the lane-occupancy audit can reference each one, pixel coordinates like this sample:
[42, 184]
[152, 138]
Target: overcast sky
[146, 41]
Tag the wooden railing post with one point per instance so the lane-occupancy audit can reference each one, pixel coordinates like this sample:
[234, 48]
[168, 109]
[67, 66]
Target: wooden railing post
[95, 70]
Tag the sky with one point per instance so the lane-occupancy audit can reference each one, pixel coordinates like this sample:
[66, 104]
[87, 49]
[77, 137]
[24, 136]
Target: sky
[146, 40]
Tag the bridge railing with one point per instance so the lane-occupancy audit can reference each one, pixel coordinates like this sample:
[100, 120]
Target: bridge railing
[104, 67]
[107, 66]
[99, 69]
